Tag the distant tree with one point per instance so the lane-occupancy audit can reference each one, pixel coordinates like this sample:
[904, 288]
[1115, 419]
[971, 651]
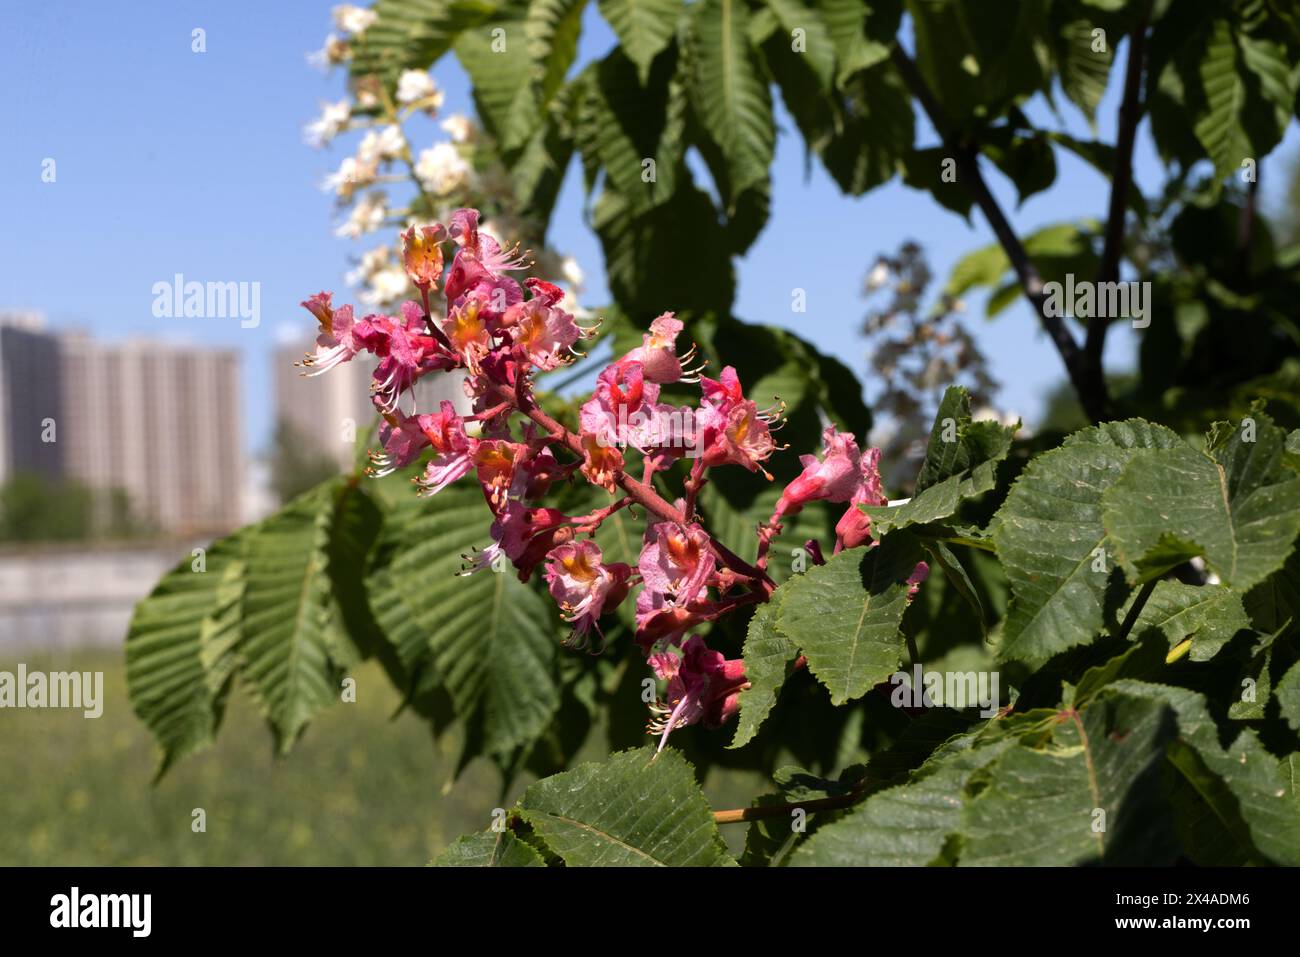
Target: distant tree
[35, 509]
[297, 463]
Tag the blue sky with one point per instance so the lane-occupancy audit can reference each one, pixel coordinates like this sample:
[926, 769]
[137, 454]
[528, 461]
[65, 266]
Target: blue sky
[171, 162]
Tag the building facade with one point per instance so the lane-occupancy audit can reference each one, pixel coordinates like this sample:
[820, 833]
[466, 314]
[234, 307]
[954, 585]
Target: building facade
[158, 421]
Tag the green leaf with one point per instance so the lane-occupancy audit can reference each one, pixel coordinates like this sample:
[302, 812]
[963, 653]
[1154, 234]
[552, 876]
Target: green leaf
[286, 612]
[489, 849]
[502, 78]
[491, 640]
[731, 95]
[1049, 532]
[960, 463]
[184, 618]
[1092, 796]
[1082, 71]
[1210, 615]
[412, 34]
[1263, 786]
[902, 826]
[653, 264]
[769, 660]
[958, 443]
[1274, 604]
[845, 615]
[1288, 696]
[819, 49]
[634, 810]
[643, 28]
[1233, 504]
[1219, 127]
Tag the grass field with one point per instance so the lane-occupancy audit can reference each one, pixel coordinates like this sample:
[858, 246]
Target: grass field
[360, 787]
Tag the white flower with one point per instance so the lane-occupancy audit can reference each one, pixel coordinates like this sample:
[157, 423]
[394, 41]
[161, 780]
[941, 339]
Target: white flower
[353, 19]
[366, 217]
[387, 144]
[333, 120]
[441, 169]
[572, 272]
[335, 51]
[352, 174]
[372, 260]
[386, 285]
[415, 86]
[878, 276]
[459, 127]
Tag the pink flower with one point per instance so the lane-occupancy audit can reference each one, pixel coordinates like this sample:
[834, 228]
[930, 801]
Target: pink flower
[543, 333]
[676, 565]
[676, 560]
[919, 574]
[523, 535]
[658, 351]
[833, 479]
[583, 586]
[602, 464]
[854, 526]
[445, 432]
[477, 267]
[621, 405]
[702, 686]
[742, 437]
[341, 336]
[422, 254]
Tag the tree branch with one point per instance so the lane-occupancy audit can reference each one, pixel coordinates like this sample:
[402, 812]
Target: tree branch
[1093, 398]
[639, 492]
[1121, 181]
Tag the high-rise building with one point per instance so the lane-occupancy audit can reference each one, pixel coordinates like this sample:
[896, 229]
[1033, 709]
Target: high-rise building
[158, 421]
[30, 395]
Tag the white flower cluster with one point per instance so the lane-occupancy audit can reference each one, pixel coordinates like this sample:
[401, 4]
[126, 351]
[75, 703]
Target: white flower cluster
[444, 173]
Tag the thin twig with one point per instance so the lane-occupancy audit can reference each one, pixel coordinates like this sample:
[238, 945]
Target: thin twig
[1094, 401]
[1121, 182]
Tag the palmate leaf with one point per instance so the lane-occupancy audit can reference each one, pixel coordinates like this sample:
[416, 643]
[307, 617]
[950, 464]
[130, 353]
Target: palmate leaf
[623, 121]
[412, 34]
[1083, 71]
[1092, 796]
[1234, 504]
[1049, 532]
[673, 256]
[731, 95]
[491, 641]
[844, 616]
[643, 28]
[489, 849]
[262, 603]
[286, 613]
[634, 810]
[166, 674]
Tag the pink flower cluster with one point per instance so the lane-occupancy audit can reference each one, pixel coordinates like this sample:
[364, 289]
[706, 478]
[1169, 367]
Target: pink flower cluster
[499, 332]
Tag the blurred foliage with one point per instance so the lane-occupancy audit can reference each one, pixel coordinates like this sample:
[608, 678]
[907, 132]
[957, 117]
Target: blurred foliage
[35, 508]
